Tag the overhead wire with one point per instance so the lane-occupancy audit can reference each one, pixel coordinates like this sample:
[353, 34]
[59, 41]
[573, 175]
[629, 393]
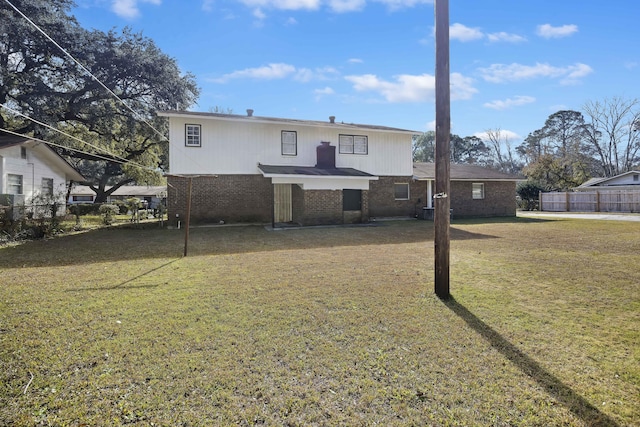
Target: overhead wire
[62, 146]
[74, 138]
[83, 68]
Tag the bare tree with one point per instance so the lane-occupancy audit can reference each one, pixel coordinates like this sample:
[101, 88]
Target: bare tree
[611, 133]
[500, 145]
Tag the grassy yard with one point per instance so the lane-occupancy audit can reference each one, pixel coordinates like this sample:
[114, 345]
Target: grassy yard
[324, 326]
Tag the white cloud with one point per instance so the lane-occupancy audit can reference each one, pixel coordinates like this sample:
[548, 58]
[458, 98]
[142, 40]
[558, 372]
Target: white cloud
[505, 37]
[341, 6]
[207, 5]
[129, 8]
[338, 6]
[259, 14]
[291, 21]
[355, 61]
[402, 4]
[549, 32]
[283, 4]
[510, 102]
[267, 72]
[406, 88]
[500, 73]
[277, 71]
[505, 135]
[321, 93]
[463, 33]
[411, 88]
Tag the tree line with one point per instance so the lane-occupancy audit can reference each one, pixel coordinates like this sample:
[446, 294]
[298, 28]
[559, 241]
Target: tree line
[602, 140]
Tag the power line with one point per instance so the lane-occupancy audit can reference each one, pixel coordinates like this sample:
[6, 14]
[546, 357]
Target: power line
[72, 137]
[138, 116]
[66, 148]
[82, 67]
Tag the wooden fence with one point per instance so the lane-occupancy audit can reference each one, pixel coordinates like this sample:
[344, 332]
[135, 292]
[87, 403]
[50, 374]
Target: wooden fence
[593, 201]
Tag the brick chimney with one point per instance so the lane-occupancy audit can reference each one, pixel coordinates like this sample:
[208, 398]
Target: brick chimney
[326, 154]
[250, 113]
[332, 119]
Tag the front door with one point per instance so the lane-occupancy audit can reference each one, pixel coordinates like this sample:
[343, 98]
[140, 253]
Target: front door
[282, 211]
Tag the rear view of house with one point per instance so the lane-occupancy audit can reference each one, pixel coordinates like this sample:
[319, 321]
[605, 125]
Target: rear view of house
[261, 169]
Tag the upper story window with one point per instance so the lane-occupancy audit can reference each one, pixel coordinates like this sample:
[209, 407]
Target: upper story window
[477, 190]
[193, 136]
[14, 184]
[47, 187]
[23, 152]
[289, 144]
[636, 178]
[354, 144]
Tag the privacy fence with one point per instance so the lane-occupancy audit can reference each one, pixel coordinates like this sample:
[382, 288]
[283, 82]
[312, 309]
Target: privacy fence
[593, 201]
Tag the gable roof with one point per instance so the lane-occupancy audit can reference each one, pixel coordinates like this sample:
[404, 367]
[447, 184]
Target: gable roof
[607, 181]
[462, 172]
[259, 119]
[43, 149]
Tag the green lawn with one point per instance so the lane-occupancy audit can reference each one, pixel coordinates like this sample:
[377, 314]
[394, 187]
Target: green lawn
[324, 326]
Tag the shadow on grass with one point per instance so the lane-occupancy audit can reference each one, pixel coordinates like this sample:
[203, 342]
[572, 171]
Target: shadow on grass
[119, 244]
[577, 404]
[126, 282]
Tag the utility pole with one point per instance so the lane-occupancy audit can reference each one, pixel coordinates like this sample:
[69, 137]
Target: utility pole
[442, 155]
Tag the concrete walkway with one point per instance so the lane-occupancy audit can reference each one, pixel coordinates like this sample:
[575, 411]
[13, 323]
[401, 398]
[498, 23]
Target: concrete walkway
[582, 215]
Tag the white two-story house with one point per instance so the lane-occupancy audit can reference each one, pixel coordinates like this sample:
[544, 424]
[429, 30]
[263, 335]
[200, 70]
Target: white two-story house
[246, 168]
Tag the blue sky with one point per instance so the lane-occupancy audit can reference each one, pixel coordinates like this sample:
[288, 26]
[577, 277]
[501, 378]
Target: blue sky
[513, 62]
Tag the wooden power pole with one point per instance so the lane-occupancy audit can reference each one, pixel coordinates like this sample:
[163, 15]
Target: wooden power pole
[442, 155]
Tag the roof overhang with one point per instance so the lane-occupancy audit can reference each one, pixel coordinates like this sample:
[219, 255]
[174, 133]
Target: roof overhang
[312, 178]
[341, 126]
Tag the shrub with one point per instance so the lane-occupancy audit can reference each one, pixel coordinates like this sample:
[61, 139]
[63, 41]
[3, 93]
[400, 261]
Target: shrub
[108, 212]
[529, 193]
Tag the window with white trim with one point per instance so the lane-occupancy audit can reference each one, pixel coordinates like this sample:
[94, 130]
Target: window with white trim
[47, 187]
[14, 184]
[353, 144]
[193, 135]
[82, 198]
[477, 190]
[289, 143]
[23, 152]
[401, 191]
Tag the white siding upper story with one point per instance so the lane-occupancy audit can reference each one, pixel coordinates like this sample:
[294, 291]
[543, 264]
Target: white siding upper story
[237, 144]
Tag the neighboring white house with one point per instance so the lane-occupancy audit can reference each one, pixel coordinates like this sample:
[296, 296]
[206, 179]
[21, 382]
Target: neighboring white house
[153, 194]
[250, 168]
[625, 181]
[31, 172]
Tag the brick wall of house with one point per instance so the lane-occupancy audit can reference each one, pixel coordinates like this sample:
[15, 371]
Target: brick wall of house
[381, 198]
[499, 199]
[229, 198]
[319, 207]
